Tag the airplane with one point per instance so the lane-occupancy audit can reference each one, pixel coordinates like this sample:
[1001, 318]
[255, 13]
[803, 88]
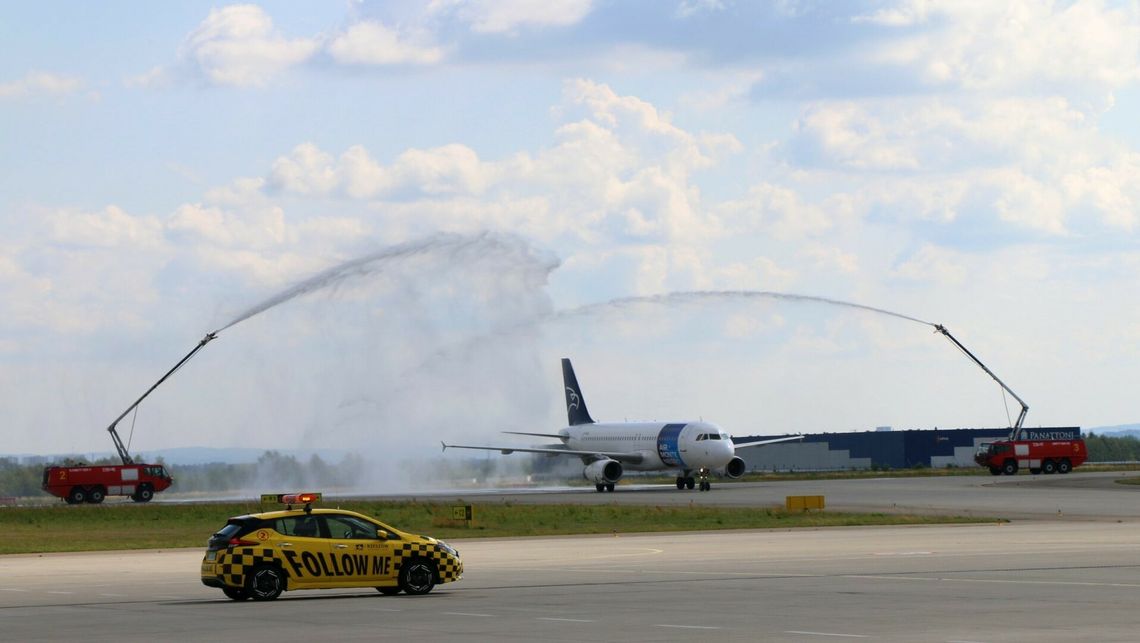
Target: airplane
[608, 449]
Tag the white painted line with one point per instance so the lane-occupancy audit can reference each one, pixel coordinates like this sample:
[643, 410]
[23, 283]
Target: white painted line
[384, 609]
[687, 627]
[565, 620]
[836, 634]
[466, 614]
[60, 592]
[11, 589]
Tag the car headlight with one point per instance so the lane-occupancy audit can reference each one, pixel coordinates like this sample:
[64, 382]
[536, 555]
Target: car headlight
[444, 547]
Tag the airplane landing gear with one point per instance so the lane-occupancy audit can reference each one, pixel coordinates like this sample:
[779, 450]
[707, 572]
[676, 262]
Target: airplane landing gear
[686, 481]
[603, 486]
[705, 484]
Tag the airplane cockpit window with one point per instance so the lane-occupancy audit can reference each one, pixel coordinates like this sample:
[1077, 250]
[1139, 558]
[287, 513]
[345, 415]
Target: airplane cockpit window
[703, 436]
[714, 436]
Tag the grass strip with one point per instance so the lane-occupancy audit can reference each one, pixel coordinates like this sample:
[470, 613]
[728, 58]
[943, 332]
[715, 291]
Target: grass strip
[115, 526]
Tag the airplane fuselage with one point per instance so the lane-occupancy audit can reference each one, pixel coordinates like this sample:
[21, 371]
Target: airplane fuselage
[678, 446]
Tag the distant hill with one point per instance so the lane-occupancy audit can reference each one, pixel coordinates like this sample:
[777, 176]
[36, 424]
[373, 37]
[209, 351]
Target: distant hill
[1116, 431]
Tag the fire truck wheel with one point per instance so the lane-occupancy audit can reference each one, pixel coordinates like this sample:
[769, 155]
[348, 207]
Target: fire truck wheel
[235, 593]
[1049, 467]
[96, 495]
[417, 576]
[144, 494]
[1009, 468]
[1064, 466]
[77, 496]
[265, 583]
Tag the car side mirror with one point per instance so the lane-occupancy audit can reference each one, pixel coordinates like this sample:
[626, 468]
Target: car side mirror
[381, 534]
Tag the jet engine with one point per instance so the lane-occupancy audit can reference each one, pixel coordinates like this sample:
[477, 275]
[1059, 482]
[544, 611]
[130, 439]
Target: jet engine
[735, 467]
[608, 471]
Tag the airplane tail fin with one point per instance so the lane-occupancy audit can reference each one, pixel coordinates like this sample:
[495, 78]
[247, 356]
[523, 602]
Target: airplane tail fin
[576, 411]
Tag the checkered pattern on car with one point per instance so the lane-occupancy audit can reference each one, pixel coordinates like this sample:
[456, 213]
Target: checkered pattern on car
[233, 565]
[450, 567]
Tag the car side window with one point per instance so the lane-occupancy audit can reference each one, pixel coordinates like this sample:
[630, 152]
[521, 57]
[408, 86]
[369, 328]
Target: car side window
[300, 526]
[347, 527]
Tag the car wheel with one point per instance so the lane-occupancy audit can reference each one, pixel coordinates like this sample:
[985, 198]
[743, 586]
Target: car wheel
[417, 576]
[96, 495]
[235, 593]
[144, 494]
[388, 591]
[265, 583]
[1064, 466]
[77, 496]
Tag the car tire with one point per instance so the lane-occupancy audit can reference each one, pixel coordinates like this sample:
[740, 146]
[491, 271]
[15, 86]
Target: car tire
[417, 576]
[265, 583]
[144, 494]
[96, 495]
[77, 496]
[388, 591]
[236, 593]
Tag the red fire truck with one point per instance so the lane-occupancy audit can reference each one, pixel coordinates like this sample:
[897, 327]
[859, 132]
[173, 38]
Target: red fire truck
[92, 483]
[77, 483]
[1044, 450]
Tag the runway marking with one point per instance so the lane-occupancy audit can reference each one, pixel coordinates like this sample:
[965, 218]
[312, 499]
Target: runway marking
[1010, 581]
[688, 627]
[835, 634]
[11, 589]
[640, 552]
[566, 620]
[60, 592]
[466, 614]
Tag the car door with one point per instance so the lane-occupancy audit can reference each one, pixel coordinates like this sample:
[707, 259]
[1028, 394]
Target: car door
[359, 554]
[302, 545]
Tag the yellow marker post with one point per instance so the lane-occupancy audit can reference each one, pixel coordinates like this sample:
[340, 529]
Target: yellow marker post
[803, 503]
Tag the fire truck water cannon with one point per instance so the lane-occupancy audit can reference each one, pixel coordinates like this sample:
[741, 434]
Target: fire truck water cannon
[1015, 430]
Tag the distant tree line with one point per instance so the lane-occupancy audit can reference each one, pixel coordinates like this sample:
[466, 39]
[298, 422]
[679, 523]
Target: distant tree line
[1103, 448]
[273, 470]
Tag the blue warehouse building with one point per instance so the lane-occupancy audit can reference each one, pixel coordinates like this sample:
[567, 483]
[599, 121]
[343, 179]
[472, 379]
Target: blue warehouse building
[936, 448]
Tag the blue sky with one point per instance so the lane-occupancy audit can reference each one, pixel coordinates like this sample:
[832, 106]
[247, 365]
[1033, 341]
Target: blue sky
[165, 167]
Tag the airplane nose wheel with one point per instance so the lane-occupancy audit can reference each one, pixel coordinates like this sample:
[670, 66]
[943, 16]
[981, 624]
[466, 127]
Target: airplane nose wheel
[705, 484]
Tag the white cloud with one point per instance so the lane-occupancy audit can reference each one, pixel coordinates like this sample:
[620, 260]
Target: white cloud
[112, 227]
[40, 82]
[373, 43]
[981, 45]
[238, 45]
[508, 16]
[935, 264]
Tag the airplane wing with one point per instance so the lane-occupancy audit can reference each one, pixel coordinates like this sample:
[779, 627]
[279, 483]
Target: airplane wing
[630, 458]
[541, 435]
[741, 445]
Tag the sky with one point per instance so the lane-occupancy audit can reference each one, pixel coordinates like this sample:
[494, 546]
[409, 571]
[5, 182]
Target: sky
[507, 183]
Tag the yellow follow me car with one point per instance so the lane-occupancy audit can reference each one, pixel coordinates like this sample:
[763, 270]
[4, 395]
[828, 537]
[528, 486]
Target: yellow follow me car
[259, 556]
